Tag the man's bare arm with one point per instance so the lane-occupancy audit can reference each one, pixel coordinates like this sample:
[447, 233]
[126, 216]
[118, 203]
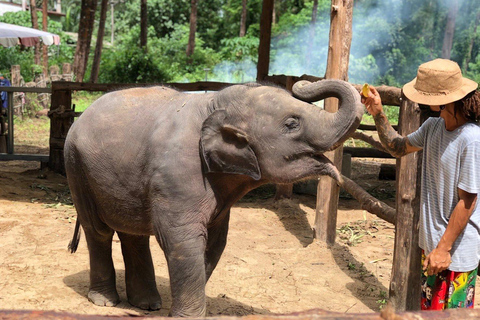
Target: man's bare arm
[395, 144]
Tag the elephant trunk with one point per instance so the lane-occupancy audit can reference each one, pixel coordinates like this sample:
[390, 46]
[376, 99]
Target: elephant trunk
[333, 128]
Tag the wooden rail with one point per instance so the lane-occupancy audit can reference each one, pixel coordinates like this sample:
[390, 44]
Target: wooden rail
[315, 314]
[62, 114]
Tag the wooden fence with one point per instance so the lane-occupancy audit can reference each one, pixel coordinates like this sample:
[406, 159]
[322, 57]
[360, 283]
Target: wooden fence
[62, 114]
[404, 288]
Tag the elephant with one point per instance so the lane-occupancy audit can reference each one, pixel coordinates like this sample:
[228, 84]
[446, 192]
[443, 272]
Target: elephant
[157, 161]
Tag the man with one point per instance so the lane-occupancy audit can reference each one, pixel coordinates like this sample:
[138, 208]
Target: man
[449, 233]
[4, 82]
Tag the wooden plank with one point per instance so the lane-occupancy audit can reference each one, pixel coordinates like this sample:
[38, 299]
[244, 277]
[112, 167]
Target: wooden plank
[27, 89]
[368, 127]
[265, 37]
[337, 68]
[391, 96]
[24, 157]
[368, 202]
[313, 314]
[405, 286]
[357, 152]
[107, 87]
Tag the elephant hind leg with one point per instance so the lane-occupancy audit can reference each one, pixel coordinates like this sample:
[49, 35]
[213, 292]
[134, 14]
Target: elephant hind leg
[99, 236]
[103, 290]
[139, 272]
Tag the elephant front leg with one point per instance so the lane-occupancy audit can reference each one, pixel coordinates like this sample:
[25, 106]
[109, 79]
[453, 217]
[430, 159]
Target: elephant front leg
[139, 272]
[217, 240]
[185, 254]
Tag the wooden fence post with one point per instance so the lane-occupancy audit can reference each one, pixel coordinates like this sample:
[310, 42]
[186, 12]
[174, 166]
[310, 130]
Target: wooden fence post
[61, 101]
[15, 76]
[285, 191]
[337, 68]
[405, 286]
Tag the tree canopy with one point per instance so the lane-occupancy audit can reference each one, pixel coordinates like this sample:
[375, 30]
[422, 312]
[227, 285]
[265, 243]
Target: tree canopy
[390, 39]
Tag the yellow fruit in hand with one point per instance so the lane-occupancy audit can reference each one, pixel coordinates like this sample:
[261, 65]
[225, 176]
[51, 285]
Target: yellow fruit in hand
[365, 90]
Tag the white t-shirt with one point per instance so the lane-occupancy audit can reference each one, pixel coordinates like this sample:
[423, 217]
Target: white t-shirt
[451, 160]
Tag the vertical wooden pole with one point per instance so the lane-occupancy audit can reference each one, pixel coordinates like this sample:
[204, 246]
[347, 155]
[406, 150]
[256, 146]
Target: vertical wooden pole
[15, 76]
[405, 286]
[285, 191]
[59, 126]
[337, 68]
[265, 37]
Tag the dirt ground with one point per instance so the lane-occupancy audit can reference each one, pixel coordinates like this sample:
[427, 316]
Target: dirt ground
[271, 263]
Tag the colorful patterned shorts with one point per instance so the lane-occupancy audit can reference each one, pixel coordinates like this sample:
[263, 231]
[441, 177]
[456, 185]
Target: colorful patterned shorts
[448, 289]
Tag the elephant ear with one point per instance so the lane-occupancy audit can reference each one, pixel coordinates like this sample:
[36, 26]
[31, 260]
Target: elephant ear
[225, 148]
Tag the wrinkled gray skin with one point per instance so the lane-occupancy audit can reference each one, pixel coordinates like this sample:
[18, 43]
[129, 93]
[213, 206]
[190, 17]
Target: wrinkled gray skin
[154, 161]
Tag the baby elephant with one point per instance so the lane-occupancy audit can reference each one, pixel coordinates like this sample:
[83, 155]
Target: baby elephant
[155, 161]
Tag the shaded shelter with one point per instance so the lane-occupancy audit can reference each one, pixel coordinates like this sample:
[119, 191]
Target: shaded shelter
[12, 35]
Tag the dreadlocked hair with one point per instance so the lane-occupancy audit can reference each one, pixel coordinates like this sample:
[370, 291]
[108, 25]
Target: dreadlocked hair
[470, 106]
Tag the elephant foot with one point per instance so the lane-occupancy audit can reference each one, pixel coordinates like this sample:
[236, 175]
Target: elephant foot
[146, 303]
[104, 299]
[188, 312]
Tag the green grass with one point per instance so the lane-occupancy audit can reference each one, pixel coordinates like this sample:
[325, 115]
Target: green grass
[33, 132]
[83, 99]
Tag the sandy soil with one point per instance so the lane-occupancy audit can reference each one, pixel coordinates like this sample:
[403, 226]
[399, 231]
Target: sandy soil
[271, 263]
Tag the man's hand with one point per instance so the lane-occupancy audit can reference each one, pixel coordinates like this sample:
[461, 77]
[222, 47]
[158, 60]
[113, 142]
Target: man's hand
[437, 261]
[373, 103]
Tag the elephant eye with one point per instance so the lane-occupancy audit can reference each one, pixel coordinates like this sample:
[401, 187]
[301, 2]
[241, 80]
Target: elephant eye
[291, 124]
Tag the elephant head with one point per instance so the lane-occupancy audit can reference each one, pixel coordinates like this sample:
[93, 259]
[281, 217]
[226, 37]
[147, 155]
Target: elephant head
[265, 133]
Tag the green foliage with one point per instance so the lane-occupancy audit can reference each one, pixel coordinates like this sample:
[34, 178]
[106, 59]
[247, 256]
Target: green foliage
[474, 70]
[173, 50]
[128, 63]
[239, 48]
[385, 49]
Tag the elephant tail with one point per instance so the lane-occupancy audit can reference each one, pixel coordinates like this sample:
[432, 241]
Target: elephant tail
[73, 245]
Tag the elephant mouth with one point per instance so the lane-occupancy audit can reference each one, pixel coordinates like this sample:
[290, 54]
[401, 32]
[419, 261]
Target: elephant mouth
[321, 165]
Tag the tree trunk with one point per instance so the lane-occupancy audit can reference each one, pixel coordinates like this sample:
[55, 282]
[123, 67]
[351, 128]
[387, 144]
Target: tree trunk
[144, 24]
[265, 37]
[85, 30]
[312, 33]
[470, 47]
[33, 14]
[99, 45]
[243, 19]
[274, 19]
[193, 30]
[45, 28]
[340, 39]
[449, 30]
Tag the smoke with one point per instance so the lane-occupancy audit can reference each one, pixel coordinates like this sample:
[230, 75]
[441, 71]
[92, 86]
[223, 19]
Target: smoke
[234, 72]
[307, 52]
[298, 51]
[373, 33]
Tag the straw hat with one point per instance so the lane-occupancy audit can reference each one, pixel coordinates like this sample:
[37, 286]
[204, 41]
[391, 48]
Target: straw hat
[438, 82]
